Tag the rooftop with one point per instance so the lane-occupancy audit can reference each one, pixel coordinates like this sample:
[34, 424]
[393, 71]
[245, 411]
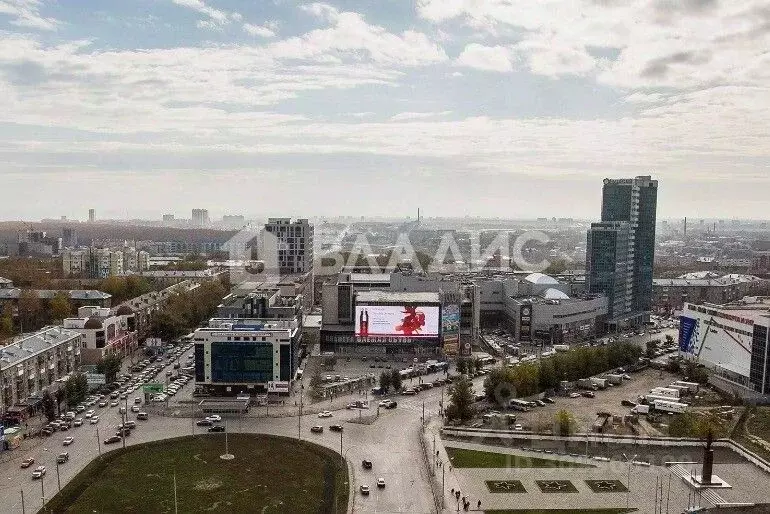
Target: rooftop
[396, 297]
[47, 294]
[32, 344]
[706, 278]
[370, 277]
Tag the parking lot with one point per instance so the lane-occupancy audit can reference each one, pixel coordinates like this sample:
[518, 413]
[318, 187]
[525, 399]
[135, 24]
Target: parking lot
[585, 409]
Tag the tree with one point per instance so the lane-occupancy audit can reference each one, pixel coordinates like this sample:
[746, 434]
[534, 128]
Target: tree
[110, 367]
[395, 379]
[49, 405]
[460, 366]
[385, 381]
[316, 386]
[6, 321]
[29, 310]
[565, 422]
[461, 400]
[690, 424]
[59, 396]
[469, 366]
[60, 307]
[75, 389]
[498, 386]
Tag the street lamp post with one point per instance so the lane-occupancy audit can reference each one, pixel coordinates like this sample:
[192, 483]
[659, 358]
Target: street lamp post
[42, 490]
[628, 479]
[98, 441]
[23, 510]
[58, 480]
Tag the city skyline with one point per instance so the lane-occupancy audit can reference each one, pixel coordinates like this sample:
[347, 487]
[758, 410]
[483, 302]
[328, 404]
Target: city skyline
[369, 109]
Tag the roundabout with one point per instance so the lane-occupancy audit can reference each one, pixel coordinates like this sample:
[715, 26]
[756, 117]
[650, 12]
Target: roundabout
[186, 474]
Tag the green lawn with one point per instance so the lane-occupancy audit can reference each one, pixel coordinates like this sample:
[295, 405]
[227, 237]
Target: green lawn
[561, 511]
[268, 475]
[462, 458]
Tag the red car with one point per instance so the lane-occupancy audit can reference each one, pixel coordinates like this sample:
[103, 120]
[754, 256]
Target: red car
[27, 462]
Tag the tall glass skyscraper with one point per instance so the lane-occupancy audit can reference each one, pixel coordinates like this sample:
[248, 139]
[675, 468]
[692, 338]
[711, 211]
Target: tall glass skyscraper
[621, 249]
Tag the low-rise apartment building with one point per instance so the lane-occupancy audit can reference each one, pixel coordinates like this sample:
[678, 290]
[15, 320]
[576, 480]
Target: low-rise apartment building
[104, 333]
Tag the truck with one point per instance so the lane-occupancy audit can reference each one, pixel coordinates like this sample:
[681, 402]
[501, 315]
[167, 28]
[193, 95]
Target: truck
[614, 379]
[651, 398]
[586, 383]
[520, 405]
[669, 406]
[641, 409]
[601, 383]
[683, 390]
[561, 347]
[665, 391]
[692, 386]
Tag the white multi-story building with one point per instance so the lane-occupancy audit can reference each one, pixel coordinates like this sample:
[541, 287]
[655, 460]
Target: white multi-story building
[103, 262]
[295, 244]
[104, 333]
[33, 363]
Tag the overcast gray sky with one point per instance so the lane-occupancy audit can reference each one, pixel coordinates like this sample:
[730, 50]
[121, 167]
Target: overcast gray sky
[513, 108]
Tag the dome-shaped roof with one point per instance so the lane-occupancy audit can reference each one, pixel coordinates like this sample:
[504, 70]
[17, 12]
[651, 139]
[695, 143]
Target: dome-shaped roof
[124, 310]
[554, 294]
[541, 279]
[93, 323]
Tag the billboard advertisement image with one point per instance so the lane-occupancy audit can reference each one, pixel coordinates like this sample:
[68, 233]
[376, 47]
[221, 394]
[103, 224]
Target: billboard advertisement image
[397, 321]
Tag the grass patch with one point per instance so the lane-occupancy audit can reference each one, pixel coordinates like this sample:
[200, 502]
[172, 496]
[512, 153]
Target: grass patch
[269, 474]
[556, 486]
[463, 458]
[505, 486]
[606, 486]
[561, 511]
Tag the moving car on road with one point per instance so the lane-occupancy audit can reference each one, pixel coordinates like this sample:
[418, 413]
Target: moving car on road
[63, 457]
[217, 428]
[27, 462]
[335, 428]
[325, 414]
[381, 483]
[39, 472]
[367, 464]
[68, 441]
[113, 439]
[318, 429]
[365, 490]
[204, 422]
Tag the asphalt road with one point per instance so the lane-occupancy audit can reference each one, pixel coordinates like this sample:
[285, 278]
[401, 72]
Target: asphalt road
[391, 442]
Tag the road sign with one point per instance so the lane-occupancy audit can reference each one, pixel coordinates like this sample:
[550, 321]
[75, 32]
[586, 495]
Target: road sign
[152, 388]
[95, 379]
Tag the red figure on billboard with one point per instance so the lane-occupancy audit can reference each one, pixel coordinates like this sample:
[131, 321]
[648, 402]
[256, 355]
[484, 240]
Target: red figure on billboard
[412, 322]
[363, 323]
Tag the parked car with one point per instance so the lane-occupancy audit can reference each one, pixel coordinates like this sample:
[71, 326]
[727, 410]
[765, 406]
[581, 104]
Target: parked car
[588, 394]
[77, 422]
[325, 414]
[365, 490]
[367, 464]
[548, 400]
[113, 439]
[317, 429]
[68, 441]
[142, 416]
[94, 420]
[39, 472]
[574, 395]
[518, 426]
[135, 408]
[204, 422]
[216, 418]
[381, 483]
[27, 462]
[217, 428]
[335, 428]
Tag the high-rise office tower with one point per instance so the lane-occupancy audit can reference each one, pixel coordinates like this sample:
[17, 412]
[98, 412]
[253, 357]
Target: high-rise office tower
[91, 215]
[621, 249]
[295, 244]
[200, 217]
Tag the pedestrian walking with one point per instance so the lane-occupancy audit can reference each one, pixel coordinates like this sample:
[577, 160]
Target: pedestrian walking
[478, 506]
[453, 491]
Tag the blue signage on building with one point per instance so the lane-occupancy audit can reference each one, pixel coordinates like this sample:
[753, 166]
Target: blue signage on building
[687, 329]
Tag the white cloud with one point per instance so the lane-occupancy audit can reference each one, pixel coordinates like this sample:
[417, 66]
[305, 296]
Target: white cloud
[217, 18]
[407, 116]
[553, 58]
[26, 13]
[266, 30]
[351, 36]
[321, 10]
[489, 58]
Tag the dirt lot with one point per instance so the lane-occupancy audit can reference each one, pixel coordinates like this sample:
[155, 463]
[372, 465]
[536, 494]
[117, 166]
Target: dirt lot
[584, 409]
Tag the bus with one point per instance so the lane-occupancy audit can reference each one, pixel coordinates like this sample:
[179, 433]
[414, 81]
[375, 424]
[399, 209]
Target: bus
[520, 405]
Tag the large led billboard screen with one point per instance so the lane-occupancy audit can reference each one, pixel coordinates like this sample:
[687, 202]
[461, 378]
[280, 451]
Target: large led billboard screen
[397, 321]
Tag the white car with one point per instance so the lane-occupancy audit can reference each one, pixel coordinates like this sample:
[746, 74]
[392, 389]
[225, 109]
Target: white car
[114, 403]
[574, 395]
[215, 418]
[90, 413]
[380, 482]
[94, 420]
[518, 426]
[325, 414]
[68, 441]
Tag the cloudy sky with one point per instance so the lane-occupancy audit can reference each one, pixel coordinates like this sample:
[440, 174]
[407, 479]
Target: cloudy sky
[513, 108]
